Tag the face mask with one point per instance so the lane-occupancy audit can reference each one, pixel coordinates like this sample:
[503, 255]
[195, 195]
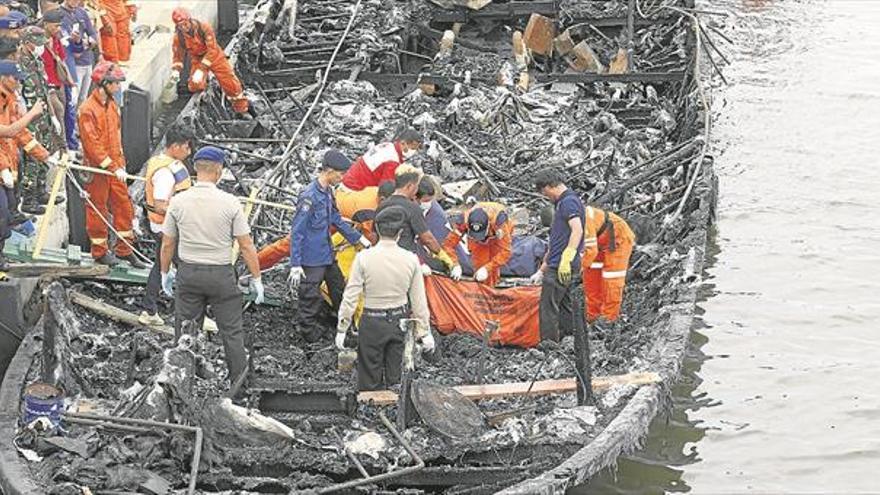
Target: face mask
[38, 51]
[425, 207]
[409, 153]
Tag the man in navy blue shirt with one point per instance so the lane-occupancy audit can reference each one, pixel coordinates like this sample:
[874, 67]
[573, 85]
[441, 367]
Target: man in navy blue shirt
[562, 262]
[312, 259]
[80, 39]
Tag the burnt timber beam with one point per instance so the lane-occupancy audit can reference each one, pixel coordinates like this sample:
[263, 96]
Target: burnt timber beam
[411, 79]
[313, 398]
[452, 475]
[516, 10]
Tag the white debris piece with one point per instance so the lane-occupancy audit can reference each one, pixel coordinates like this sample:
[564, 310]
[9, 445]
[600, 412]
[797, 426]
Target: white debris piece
[369, 443]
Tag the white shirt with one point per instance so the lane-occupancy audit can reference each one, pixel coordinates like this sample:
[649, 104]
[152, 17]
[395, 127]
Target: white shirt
[163, 187]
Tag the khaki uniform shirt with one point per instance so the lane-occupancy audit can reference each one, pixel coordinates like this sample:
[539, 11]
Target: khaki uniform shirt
[389, 277]
[206, 221]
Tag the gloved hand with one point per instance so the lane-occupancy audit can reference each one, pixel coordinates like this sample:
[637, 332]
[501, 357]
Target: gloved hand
[365, 242]
[295, 277]
[426, 271]
[481, 275]
[174, 78]
[198, 76]
[564, 271]
[537, 277]
[57, 125]
[340, 341]
[8, 179]
[120, 174]
[456, 272]
[445, 258]
[168, 282]
[428, 343]
[256, 286]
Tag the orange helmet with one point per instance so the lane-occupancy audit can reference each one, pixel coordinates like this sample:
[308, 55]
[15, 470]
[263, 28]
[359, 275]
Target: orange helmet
[107, 72]
[180, 14]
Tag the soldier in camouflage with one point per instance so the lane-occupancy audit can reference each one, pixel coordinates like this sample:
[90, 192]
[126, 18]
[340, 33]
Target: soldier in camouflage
[46, 128]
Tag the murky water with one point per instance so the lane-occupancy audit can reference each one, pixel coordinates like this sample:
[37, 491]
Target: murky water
[780, 394]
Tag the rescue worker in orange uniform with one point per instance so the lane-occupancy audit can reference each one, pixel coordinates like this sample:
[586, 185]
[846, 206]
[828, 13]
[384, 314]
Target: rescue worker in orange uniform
[489, 232]
[116, 17]
[197, 39]
[359, 207]
[608, 244]
[101, 132]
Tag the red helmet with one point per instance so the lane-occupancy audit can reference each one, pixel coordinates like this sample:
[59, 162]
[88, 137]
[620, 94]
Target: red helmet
[180, 14]
[107, 72]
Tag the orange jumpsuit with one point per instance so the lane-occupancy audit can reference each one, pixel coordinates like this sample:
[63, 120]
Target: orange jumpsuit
[495, 251]
[608, 244]
[197, 39]
[116, 16]
[357, 206]
[101, 133]
[24, 140]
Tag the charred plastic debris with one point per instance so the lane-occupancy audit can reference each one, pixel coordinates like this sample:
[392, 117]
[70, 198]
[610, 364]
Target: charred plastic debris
[603, 90]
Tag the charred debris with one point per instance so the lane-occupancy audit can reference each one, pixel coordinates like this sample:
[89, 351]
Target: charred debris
[606, 91]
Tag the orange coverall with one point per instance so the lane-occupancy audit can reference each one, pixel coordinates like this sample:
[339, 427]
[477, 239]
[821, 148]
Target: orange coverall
[24, 140]
[101, 133]
[608, 244]
[357, 206]
[495, 251]
[197, 38]
[116, 16]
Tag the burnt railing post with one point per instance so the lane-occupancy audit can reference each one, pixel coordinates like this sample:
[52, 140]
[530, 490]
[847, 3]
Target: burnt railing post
[581, 344]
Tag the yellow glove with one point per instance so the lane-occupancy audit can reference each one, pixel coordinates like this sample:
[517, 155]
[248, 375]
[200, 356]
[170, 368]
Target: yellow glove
[445, 258]
[564, 271]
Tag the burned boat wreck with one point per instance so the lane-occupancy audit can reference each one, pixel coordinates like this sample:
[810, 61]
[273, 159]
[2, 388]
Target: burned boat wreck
[609, 92]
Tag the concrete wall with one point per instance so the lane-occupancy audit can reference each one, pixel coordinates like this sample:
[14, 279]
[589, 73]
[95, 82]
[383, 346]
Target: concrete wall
[150, 64]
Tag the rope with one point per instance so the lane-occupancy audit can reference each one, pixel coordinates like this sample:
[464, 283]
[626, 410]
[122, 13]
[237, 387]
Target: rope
[85, 195]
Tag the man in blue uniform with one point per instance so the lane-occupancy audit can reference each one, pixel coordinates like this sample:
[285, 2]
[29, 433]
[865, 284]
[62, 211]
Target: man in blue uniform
[312, 259]
[562, 262]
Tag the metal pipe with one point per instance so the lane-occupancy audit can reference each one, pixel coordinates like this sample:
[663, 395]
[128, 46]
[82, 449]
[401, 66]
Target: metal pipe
[420, 464]
[197, 451]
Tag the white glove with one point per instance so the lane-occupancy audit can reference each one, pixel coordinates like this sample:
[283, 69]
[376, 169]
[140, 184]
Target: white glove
[57, 125]
[365, 242]
[481, 275]
[120, 174]
[428, 343]
[8, 180]
[198, 76]
[456, 272]
[340, 341]
[257, 288]
[168, 282]
[426, 271]
[295, 277]
[537, 277]
[175, 77]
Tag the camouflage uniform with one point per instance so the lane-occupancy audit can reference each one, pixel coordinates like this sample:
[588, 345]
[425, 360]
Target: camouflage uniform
[33, 89]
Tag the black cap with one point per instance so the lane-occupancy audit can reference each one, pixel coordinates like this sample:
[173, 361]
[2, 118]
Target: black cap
[54, 16]
[410, 134]
[478, 224]
[335, 160]
[390, 221]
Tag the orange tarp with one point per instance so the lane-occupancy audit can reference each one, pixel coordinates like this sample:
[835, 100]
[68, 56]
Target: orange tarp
[465, 307]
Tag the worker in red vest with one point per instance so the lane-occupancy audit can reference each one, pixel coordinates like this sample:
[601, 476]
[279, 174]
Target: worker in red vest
[380, 162]
[489, 232]
[206, 56]
[608, 244]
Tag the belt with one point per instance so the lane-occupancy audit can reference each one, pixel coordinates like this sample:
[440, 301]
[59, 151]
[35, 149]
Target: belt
[387, 313]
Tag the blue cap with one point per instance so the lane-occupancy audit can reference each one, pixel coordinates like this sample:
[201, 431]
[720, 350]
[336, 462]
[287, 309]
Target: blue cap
[335, 160]
[13, 20]
[9, 68]
[211, 154]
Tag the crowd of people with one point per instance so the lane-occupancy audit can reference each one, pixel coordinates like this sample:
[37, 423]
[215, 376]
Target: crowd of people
[62, 66]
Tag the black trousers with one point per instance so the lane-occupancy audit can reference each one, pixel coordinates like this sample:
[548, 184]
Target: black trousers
[311, 304]
[380, 352]
[8, 205]
[154, 279]
[200, 286]
[555, 309]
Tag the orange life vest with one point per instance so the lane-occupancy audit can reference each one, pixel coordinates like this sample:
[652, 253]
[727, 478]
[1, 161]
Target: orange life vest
[182, 182]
